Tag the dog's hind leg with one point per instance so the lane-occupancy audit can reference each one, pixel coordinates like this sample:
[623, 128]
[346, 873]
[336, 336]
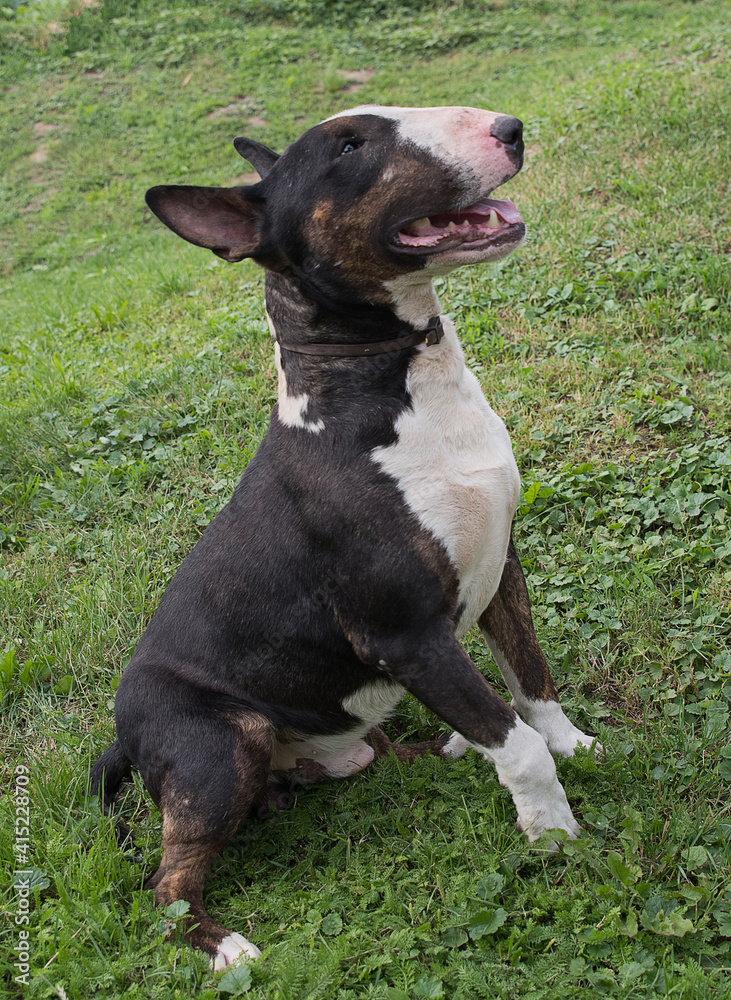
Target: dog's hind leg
[507, 625]
[203, 798]
[453, 746]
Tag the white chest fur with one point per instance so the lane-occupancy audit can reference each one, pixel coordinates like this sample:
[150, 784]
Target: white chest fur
[455, 467]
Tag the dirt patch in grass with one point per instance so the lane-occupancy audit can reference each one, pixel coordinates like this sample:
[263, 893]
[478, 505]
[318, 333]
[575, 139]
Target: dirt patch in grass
[240, 106]
[251, 178]
[356, 79]
[44, 128]
[625, 704]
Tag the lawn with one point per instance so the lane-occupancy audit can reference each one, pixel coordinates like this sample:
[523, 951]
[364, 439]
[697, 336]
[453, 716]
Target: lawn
[137, 379]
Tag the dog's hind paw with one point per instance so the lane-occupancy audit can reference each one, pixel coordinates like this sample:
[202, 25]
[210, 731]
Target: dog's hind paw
[233, 950]
[455, 746]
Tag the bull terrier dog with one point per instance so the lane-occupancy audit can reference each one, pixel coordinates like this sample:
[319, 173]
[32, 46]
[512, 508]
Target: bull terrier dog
[372, 528]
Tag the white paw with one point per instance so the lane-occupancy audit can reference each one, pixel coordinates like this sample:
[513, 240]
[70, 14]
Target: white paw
[561, 736]
[553, 814]
[233, 950]
[581, 739]
[564, 744]
[345, 763]
[455, 746]
[525, 766]
[335, 756]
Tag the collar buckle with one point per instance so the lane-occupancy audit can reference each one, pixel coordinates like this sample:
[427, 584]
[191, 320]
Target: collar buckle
[434, 331]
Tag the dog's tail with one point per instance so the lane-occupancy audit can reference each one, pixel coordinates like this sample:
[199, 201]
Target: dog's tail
[107, 775]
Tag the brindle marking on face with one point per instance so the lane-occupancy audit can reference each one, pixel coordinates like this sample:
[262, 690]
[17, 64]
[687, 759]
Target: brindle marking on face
[325, 216]
[389, 190]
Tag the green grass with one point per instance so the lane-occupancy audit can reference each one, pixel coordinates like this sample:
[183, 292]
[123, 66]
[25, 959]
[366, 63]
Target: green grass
[137, 379]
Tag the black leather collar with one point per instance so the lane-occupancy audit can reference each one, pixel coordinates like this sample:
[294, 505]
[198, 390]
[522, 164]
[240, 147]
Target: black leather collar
[432, 334]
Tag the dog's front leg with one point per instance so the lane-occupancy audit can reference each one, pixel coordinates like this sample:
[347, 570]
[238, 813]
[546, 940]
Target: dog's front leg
[435, 668]
[507, 625]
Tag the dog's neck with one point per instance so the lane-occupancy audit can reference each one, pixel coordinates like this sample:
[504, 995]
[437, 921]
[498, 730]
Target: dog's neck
[414, 299]
[300, 315]
[358, 397]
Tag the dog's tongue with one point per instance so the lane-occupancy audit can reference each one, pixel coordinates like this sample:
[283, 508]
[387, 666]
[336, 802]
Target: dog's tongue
[464, 225]
[505, 209]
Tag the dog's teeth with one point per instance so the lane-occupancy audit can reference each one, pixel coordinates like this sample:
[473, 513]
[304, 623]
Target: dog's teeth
[452, 225]
[420, 225]
[493, 222]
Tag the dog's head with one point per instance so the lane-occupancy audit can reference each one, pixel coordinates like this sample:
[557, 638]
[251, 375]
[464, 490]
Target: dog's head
[366, 197]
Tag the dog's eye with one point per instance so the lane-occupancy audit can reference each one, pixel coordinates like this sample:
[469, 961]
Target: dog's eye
[349, 146]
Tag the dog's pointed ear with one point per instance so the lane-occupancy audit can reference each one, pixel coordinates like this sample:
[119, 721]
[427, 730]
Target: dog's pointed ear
[261, 157]
[225, 220]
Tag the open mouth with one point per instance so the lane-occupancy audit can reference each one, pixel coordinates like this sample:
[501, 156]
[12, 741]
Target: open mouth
[487, 222]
